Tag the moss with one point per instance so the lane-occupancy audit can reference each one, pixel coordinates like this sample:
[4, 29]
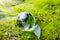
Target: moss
[47, 14]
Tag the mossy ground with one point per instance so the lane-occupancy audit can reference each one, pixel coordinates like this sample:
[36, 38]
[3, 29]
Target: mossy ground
[46, 12]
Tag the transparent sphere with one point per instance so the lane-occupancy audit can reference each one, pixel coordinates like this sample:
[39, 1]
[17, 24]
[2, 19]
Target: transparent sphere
[26, 19]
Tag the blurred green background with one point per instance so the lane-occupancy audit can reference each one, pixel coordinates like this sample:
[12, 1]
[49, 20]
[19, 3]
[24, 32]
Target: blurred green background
[46, 12]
